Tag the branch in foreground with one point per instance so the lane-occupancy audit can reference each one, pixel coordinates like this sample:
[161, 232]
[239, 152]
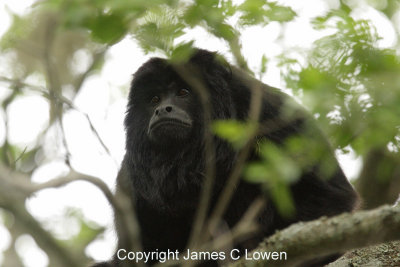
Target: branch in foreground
[14, 184]
[385, 254]
[60, 255]
[304, 241]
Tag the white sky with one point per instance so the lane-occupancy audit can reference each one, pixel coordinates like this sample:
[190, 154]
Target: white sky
[107, 113]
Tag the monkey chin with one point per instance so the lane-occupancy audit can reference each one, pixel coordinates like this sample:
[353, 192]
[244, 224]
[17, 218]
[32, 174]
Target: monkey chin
[169, 133]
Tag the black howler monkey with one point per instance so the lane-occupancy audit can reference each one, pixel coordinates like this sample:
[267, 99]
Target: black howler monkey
[163, 168]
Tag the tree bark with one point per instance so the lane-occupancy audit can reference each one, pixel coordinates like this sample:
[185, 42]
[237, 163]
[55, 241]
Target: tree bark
[305, 241]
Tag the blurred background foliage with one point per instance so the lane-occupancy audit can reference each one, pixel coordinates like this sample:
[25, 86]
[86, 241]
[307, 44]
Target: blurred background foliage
[347, 79]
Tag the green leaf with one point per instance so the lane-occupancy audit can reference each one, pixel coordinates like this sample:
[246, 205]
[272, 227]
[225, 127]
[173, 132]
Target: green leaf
[108, 28]
[280, 13]
[237, 133]
[314, 79]
[264, 62]
[158, 29]
[258, 172]
[281, 161]
[225, 31]
[282, 197]
[20, 28]
[182, 52]
[262, 12]
[279, 190]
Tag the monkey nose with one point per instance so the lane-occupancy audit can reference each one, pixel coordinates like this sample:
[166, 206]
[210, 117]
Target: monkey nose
[162, 110]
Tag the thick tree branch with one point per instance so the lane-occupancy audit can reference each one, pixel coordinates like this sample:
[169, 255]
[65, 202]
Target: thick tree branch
[303, 241]
[61, 254]
[17, 187]
[385, 254]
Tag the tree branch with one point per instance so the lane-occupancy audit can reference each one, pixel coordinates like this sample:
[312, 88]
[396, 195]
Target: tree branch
[338, 234]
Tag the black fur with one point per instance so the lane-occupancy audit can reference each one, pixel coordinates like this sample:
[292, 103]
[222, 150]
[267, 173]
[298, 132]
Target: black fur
[165, 178]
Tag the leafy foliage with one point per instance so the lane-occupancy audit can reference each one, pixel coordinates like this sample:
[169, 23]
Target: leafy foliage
[276, 171]
[262, 12]
[237, 133]
[351, 84]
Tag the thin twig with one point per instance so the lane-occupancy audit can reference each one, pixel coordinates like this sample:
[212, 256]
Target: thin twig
[209, 153]
[230, 187]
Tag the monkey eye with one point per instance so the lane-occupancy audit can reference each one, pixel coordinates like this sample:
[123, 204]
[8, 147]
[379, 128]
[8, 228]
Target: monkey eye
[155, 100]
[183, 92]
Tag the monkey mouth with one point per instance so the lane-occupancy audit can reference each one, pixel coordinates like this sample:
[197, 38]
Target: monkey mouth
[169, 123]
